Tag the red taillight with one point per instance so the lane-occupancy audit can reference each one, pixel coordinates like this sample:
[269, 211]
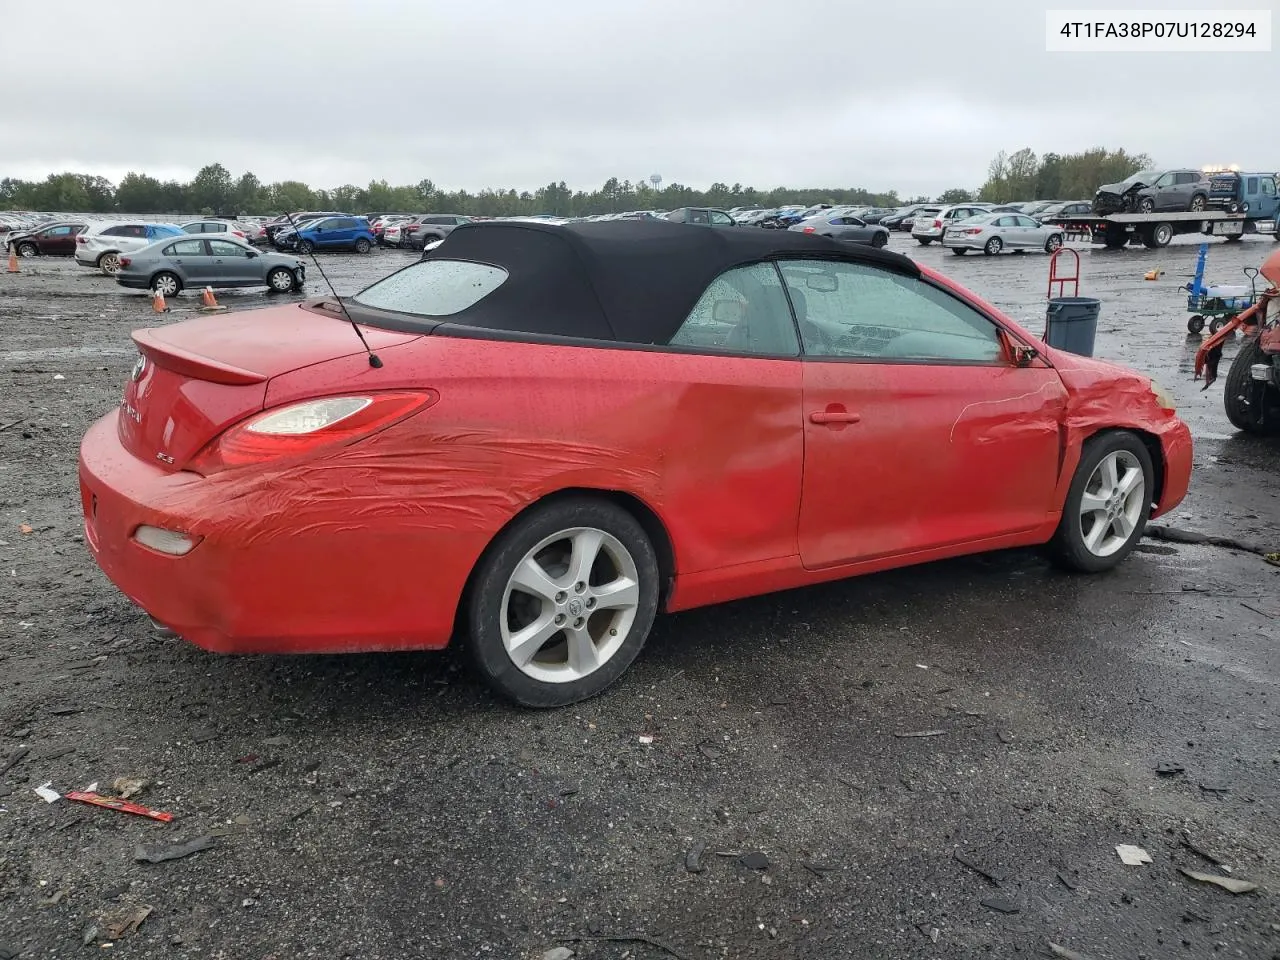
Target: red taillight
[412, 228]
[972, 230]
[808, 229]
[937, 224]
[307, 427]
[125, 261]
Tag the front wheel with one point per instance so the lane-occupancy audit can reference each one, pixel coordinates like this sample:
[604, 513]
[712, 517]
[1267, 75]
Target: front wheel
[1107, 505]
[993, 246]
[562, 602]
[1146, 205]
[1195, 324]
[362, 245]
[1246, 400]
[1053, 243]
[1217, 323]
[282, 280]
[27, 250]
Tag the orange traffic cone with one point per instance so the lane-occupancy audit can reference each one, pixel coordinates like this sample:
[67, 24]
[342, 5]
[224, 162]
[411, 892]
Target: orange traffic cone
[13, 260]
[208, 298]
[157, 302]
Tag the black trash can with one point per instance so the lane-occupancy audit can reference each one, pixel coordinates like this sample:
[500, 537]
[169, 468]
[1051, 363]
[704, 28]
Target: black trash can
[1071, 324]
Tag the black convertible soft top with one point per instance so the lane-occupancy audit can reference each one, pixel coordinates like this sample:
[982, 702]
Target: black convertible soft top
[633, 281]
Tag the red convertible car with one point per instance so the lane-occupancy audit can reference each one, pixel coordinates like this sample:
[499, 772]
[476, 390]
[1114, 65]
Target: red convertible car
[538, 436]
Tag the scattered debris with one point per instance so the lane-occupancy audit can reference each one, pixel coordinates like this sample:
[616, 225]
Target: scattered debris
[922, 733]
[11, 423]
[25, 528]
[90, 934]
[115, 803]
[1066, 954]
[693, 858]
[1170, 769]
[128, 787]
[281, 741]
[1004, 736]
[628, 938]
[126, 921]
[1199, 851]
[1214, 788]
[44, 903]
[710, 752]
[13, 760]
[160, 853]
[1000, 905]
[48, 795]
[819, 870]
[264, 765]
[558, 953]
[1066, 881]
[1230, 884]
[995, 878]
[1263, 607]
[58, 376]
[646, 738]
[755, 860]
[1132, 856]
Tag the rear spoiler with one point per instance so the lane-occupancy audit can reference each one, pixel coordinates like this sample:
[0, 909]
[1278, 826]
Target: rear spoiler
[191, 364]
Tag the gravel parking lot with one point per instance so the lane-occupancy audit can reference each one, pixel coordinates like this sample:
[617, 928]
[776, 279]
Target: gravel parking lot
[935, 762]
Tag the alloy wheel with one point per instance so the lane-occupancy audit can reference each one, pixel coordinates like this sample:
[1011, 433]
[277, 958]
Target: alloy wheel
[1112, 504]
[569, 605]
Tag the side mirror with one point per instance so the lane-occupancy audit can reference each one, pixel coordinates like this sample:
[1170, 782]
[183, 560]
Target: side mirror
[1024, 354]
[251, 254]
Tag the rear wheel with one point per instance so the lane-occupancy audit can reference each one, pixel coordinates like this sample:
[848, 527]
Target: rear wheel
[1158, 236]
[1246, 399]
[1107, 505]
[362, 245]
[281, 280]
[1195, 324]
[562, 602]
[1234, 237]
[959, 251]
[1053, 243]
[924, 241]
[305, 247]
[1198, 203]
[27, 249]
[993, 246]
[1217, 323]
[880, 239]
[166, 284]
[109, 264]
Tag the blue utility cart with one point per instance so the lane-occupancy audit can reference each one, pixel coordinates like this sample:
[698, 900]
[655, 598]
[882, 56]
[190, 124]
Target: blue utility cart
[1218, 303]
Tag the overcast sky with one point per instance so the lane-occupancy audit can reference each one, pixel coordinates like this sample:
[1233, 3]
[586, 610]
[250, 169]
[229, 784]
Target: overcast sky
[916, 95]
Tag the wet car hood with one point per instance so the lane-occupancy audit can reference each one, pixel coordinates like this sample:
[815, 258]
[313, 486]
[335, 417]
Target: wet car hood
[1121, 188]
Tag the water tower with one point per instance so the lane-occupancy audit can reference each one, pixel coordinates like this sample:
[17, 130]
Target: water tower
[656, 180]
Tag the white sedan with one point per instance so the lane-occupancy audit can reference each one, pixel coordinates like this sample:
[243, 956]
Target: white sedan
[994, 233]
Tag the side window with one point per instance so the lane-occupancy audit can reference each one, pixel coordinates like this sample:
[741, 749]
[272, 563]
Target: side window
[858, 311]
[1165, 181]
[1026, 222]
[224, 248]
[1268, 187]
[1188, 177]
[1004, 221]
[721, 219]
[699, 216]
[185, 248]
[59, 232]
[322, 225]
[743, 310]
[136, 230]
[115, 232]
[1251, 185]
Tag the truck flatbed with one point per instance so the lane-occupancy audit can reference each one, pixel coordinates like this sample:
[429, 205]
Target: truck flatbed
[1116, 230]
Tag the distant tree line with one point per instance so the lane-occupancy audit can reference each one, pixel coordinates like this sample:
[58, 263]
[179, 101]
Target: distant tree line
[214, 190]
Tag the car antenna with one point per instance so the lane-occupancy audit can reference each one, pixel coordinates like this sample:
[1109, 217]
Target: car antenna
[374, 360]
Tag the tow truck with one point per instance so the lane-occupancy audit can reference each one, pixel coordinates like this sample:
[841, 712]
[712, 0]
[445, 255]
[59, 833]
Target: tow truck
[1154, 230]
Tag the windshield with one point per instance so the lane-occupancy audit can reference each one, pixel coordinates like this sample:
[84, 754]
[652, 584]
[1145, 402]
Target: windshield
[433, 288]
[1142, 176]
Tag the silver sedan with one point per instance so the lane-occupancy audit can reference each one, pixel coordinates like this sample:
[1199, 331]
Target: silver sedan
[176, 263]
[994, 233]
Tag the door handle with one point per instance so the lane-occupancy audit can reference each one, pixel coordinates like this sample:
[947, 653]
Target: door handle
[834, 414]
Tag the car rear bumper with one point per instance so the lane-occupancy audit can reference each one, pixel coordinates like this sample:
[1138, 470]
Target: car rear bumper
[132, 281]
[352, 575]
[91, 262]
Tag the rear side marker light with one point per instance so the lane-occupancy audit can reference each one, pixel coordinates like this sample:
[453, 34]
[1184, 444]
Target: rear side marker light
[172, 542]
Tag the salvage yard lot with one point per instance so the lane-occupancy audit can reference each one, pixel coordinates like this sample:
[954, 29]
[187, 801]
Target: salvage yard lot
[388, 806]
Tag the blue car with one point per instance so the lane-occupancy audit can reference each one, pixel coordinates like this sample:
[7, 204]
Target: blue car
[328, 233]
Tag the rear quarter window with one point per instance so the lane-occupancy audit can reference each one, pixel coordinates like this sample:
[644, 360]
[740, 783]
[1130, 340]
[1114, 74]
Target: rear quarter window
[434, 288]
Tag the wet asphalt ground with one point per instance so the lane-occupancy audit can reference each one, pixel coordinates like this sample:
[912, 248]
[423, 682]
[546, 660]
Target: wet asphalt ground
[387, 806]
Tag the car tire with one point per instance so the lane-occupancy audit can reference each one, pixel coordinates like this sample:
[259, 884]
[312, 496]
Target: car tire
[1195, 324]
[282, 280]
[166, 284]
[27, 250]
[924, 241]
[1116, 519]
[993, 246]
[1198, 203]
[1157, 236]
[542, 541]
[959, 251]
[1147, 205]
[1234, 237]
[1054, 243]
[879, 239]
[1217, 323]
[362, 245]
[305, 247]
[1239, 389]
